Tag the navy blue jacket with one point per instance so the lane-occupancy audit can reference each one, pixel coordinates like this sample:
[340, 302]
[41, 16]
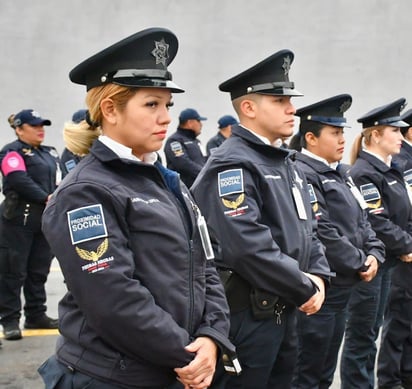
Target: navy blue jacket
[389, 207]
[183, 154]
[245, 193]
[140, 288]
[214, 143]
[343, 226]
[69, 161]
[404, 157]
[30, 175]
[39, 178]
[402, 273]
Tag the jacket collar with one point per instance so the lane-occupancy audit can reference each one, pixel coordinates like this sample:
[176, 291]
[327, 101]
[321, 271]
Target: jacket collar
[105, 154]
[407, 146]
[374, 161]
[187, 132]
[316, 164]
[248, 136]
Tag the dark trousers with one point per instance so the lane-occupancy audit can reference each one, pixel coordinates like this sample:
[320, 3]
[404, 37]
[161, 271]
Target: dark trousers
[319, 340]
[25, 259]
[58, 376]
[259, 343]
[395, 354]
[282, 371]
[364, 318]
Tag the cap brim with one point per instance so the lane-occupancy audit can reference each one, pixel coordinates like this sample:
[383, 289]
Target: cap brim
[293, 92]
[149, 83]
[399, 123]
[40, 122]
[285, 92]
[333, 124]
[202, 118]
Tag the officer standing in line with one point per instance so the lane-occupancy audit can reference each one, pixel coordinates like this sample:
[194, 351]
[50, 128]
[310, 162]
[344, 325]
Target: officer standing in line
[225, 124]
[183, 150]
[78, 136]
[145, 307]
[383, 188]
[352, 249]
[31, 173]
[395, 352]
[257, 207]
[68, 158]
[406, 149]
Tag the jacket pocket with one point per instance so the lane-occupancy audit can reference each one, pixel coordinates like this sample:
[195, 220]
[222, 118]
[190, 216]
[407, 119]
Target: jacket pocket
[52, 373]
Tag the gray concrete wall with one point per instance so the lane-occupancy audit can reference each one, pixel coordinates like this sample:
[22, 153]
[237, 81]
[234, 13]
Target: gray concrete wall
[361, 47]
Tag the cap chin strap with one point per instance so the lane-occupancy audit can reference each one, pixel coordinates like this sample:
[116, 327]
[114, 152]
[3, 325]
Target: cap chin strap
[270, 85]
[148, 83]
[387, 120]
[154, 78]
[139, 73]
[333, 121]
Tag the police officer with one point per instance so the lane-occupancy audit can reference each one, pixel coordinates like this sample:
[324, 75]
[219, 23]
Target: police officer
[257, 206]
[225, 124]
[31, 173]
[68, 158]
[183, 150]
[352, 249]
[389, 209]
[406, 149]
[145, 304]
[395, 352]
[79, 135]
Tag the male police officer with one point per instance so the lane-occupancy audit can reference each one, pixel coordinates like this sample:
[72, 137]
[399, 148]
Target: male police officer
[182, 149]
[258, 210]
[225, 124]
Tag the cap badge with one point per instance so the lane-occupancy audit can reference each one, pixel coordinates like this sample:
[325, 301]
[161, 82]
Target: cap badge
[160, 52]
[345, 106]
[286, 65]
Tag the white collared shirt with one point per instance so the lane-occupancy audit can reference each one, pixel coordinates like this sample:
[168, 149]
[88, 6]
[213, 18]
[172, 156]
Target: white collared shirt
[387, 162]
[125, 152]
[262, 138]
[332, 165]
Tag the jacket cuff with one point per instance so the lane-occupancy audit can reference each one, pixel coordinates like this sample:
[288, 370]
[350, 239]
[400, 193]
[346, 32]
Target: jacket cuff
[227, 349]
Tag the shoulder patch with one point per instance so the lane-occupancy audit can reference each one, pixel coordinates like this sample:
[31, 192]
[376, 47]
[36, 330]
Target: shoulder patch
[177, 148]
[312, 194]
[313, 200]
[86, 223]
[12, 162]
[70, 164]
[407, 175]
[370, 192]
[230, 182]
[371, 195]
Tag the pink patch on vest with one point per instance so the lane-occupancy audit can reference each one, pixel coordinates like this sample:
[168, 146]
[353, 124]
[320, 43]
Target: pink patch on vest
[12, 162]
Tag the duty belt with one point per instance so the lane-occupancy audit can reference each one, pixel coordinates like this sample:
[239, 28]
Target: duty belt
[240, 295]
